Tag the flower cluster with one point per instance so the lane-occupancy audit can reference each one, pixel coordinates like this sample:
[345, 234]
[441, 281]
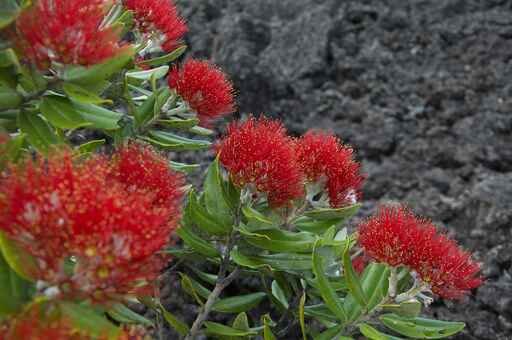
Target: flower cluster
[324, 158]
[205, 89]
[159, 18]
[259, 152]
[397, 237]
[95, 215]
[68, 32]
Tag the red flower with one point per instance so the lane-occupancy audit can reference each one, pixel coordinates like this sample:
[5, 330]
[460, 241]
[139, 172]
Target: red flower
[397, 237]
[259, 153]
[324, 157]
[159, 17]
[67, 32]
[204, 87]
[89, 210]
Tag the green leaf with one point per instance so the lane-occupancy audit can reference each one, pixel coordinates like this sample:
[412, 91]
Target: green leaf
[238, 304]
[9, 98]
[9, 11]
[326, 290]
[374, 282]
[320, 311]
[408, 309]
[99, 117]
[194, 289]
[174, 142]
[267, 332]
[255, 218]
[302, 322]
[214, 196]
[91, 146]
[278, 240]
[157, 73]
[353, 283]
[166, 58]
[206, 277]
[89, 320]
[60, 112]
[279, 294]
[421, 328]
[373, 334]
[197, 243]
[123, 314]
[14, 290]
[329, 214]
[18, 259]
[284, 262]
[83, 95]
[203, 219]
[145, 113]
[241, 322]
[96, 73]
[330, 334]
[178, 325]
[39, 134]
[12, 150]
[178, 123]
[318, 227]
[185, 168]
[201, 131]
[214, 328]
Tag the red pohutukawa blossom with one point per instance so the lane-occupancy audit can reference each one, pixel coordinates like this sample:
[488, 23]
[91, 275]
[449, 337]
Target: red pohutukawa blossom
[160, 18]
[93, 211]
[258, 152]
[67, 32]
[397, 237]
[204, 87]
[323, 157]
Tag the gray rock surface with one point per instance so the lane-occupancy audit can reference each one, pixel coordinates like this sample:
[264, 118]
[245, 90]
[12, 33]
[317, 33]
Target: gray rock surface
[421, 88]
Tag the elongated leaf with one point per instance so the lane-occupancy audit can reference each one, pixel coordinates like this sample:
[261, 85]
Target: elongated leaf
[318, 227]
[174, 142]
[279, 294]
[178, 325]
[89, 320]
[213, 328]
[188, 287]
[302, 322]
[255, 218]
[96, 73]
[280, 240]
[185, 168]
[408, 309]
[178, 123]
[9, 11]
[123, 314]
[39, 134]
[145, 113]
[91, 146]
[166, 58]
[18, 259]
[197, 243]
[238, 304]
[353, 283]
[320, 311]
[14, 290]
[206, 277]
[330, 334]
[373, 334]
[83, 95]
[98, 116]
[326, 290]
[60, 112]
[214, 196]
[267, 331]
[9, 98]
[374, 282]
[203, 219]
[284, 262]
[421, 328]
[329, 214]
[157, 73]
[241, 322]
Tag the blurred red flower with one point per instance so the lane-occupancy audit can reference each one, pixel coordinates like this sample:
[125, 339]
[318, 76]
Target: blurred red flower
[90, 213]
[160, 18]
[204, 87]
[68, 32]
[323, 157]
[397, 237]
[259, 153]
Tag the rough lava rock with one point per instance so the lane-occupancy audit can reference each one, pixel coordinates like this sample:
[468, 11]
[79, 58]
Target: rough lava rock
[421, 88]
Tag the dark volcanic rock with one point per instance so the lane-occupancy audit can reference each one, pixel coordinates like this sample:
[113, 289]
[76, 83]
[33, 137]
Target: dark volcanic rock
[421, 88]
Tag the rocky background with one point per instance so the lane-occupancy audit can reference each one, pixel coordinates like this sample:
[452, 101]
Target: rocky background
[421, 89]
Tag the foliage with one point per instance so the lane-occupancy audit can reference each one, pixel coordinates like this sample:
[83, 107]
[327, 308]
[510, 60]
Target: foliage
[87, 229]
